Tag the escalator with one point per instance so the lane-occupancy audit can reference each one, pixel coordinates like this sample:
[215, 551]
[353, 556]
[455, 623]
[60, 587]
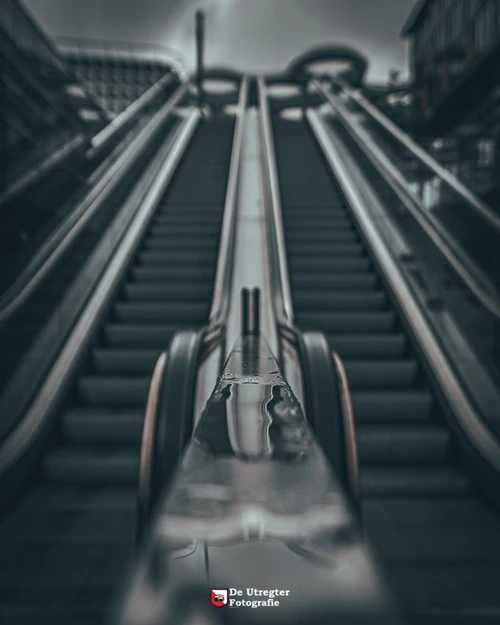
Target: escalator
[67, 542]
[439, 542]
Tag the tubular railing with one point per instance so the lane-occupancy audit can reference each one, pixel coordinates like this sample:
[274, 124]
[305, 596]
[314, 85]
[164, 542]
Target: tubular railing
[145, 496]
[424, 158]
[283, 304]
[69, 230]
[349, 428]
[225, 262]
[120, 121]
[40, 404]
[283, 295]
[454, 254]
[101, 140]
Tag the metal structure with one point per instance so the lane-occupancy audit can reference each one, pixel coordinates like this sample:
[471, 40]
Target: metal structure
[328, 507]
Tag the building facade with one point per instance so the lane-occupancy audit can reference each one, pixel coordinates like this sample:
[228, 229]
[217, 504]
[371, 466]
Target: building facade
[454, 52]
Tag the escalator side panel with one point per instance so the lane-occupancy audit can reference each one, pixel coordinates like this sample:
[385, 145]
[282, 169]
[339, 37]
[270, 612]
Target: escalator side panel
[68, 542]
[421, 512]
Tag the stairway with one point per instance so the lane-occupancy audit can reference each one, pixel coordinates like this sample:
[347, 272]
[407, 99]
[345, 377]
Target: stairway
[438, 541]
[66, 546]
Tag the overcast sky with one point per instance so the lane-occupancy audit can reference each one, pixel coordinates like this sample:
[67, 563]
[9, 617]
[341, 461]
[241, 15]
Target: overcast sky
[246, 34]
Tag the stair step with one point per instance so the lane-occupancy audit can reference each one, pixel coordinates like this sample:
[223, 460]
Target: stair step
[125, 361]
[199, 219]
[355, 301]
[294, 227]
[113, 391]
[329, 265]
[117, 499]
[182, 244]
[431, 544]
[382, 406]
[326, 250]
[193, 292]
[381, 374]
[413, 481]
[180, 275]
[349, 322]
[387, 444]
[29, 566]
[174, 258]
[450, 589]
[193, 312]
[143, 335]
[341, 282]
[84, 425]
[467, 512]
[26, 615]
[185, 230]
[101, 465]
[369, 346]
[323, 236]
[51, 525]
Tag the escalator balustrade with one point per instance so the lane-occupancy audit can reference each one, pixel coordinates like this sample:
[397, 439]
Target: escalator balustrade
[422, 512]
[67, 543]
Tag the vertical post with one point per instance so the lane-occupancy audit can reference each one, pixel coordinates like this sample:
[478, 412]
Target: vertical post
[250, 311]
[200, 45]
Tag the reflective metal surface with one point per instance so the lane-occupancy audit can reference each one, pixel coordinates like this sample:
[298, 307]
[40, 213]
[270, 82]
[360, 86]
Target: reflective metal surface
[42, 408]
[443, 370]
[456, 256]
[255, 506]
[53, 249]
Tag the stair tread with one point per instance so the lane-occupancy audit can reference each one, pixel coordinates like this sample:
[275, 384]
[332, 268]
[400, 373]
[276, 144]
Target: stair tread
[412, 481]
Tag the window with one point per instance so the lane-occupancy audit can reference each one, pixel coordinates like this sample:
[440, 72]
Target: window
[483, 28]
[456, 19]
[486, 153]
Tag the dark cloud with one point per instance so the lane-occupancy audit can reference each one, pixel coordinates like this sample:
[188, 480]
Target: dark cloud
[247, 34]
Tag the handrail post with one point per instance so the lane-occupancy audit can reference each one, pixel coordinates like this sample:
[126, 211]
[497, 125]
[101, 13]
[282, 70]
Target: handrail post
[250, 311]
[200, 45]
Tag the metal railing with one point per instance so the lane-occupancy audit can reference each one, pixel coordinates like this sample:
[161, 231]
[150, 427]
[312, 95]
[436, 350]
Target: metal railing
[145, 495]
[475, 204]
[225, 262]
[457, 258]
[68, 231]
[429, 342]
[97, 143]
[349, 428]
[47, 398]
[283, 296]
[120, 121]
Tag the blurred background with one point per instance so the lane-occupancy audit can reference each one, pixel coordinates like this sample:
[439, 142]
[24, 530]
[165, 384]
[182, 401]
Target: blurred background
[252, 35]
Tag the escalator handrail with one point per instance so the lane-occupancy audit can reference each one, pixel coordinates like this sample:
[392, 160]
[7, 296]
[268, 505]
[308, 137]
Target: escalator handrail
[148, 445]
[97, 143]
[39, 268]
[477, 205]
[349, 428]
[104, 136]
[462, 406]
[466, 269]
[49, 397]
[225, 262]
[282, 295]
